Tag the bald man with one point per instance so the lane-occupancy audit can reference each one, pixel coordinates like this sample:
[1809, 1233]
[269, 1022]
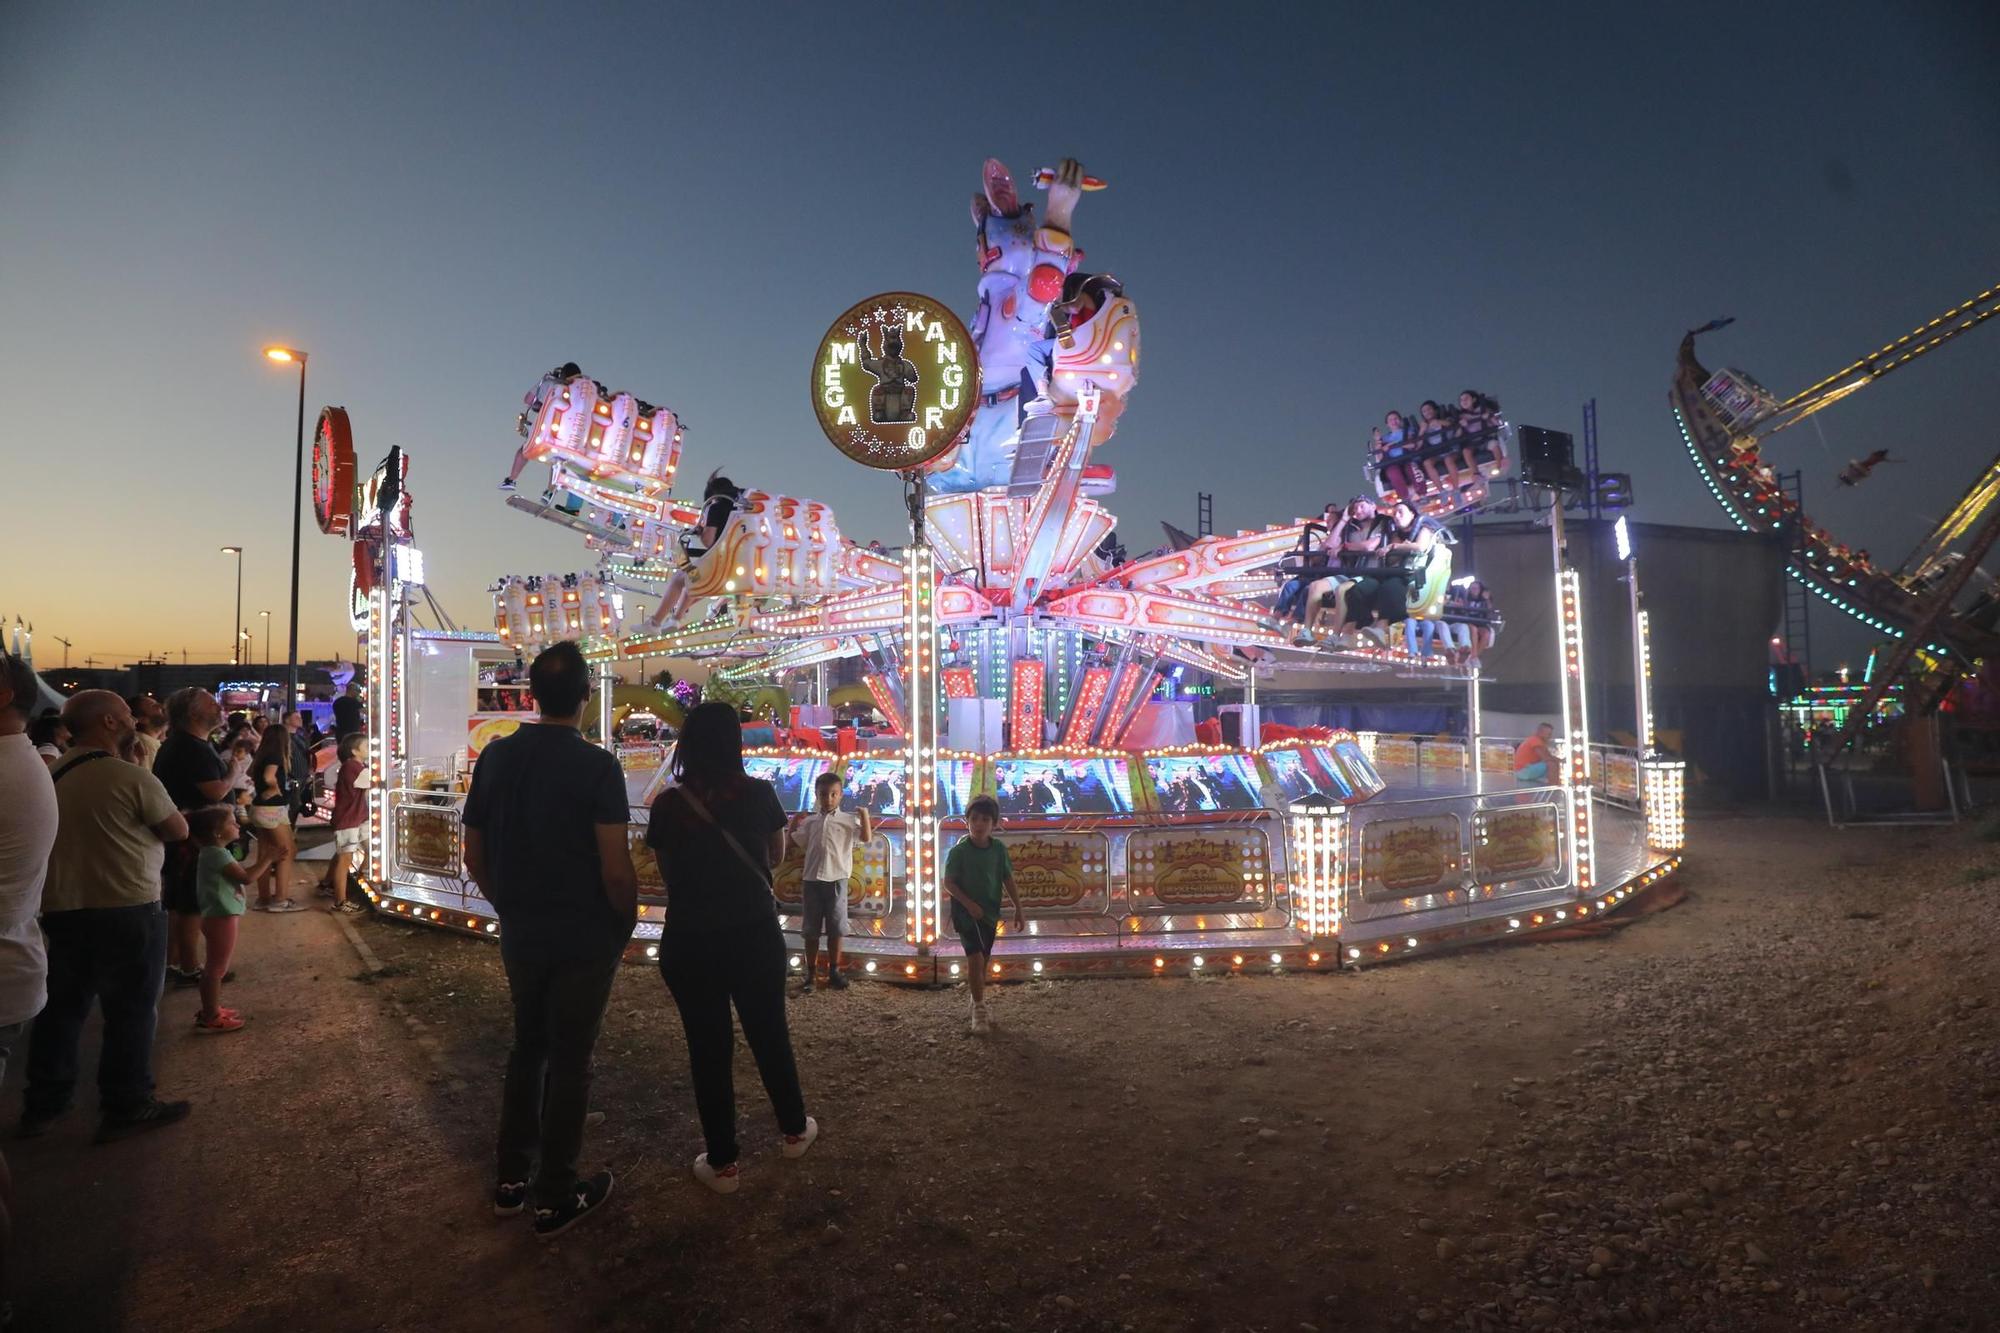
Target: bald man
[107, 936]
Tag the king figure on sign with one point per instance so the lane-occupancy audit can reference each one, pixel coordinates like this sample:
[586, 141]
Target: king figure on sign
[893, 400]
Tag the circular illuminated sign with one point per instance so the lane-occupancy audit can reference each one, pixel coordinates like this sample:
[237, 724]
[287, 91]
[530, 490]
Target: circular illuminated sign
[894, 380]
[333, 471]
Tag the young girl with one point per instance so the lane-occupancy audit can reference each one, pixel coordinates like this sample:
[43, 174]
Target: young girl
[218, 883]
[270, 816]
[350, 816]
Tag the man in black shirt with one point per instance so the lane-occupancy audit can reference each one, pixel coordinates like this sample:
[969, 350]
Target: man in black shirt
[347, 713]
[194, 776]
[545, 839]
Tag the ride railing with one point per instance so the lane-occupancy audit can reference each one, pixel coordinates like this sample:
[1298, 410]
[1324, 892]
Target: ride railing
[1615, 777]
[1441, 860]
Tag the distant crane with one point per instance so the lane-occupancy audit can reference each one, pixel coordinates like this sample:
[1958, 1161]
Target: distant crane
[65, 643]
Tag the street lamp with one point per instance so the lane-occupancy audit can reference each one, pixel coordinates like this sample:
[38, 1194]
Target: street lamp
[265, 616]
[289, 356]
[236, 621]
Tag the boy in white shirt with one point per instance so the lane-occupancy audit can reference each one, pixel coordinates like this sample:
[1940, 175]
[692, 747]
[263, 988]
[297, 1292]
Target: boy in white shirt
[830, 836]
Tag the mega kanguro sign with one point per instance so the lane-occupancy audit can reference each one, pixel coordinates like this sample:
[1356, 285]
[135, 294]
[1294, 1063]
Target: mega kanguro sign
[893, 381]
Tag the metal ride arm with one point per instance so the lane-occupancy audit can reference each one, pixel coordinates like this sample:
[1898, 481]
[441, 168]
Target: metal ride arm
[1977, 500]
[1938, 608]
[1058, 494]
[1928, 336]
[1213, 560]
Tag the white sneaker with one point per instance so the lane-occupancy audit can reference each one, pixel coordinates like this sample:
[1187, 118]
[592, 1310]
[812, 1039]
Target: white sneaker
[284, 905]
[980, 1025]
[724, 1181]
[796, 1144]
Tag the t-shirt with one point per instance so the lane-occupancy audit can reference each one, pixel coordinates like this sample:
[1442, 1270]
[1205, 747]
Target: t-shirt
[709, 888]
[350, 802]
[978, 872]
[27, 831]
[346, 715]
[182, 762]
[537, 798]
[218, 894]
[830, 841]
[1533, 750]
[149, 745]
[106, 853]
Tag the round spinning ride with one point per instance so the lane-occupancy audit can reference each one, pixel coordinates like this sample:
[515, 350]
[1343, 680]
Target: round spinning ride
[1016, 653]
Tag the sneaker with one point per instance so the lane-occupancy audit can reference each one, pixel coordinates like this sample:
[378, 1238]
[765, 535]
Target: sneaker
[155, 1114]
[1303, 640]
[506, 483]
[592, 1119]
[222, 1022]
[510, 1197]
[284, 905]
[980, 1027]
[836, 980]
[585, 1199]
[724, 1181]
[348, 908]
[181, 978]
[33, 1126]
[260, 906]
[807, 989]
[322, 890]
[796, 1144]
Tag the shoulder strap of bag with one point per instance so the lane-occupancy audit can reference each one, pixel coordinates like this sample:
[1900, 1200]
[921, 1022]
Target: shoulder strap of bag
[75, 764]
[762, 872]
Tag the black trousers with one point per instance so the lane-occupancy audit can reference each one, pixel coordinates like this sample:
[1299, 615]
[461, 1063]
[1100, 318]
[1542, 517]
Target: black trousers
[116, 956]
[706, 971]
[558, 1009]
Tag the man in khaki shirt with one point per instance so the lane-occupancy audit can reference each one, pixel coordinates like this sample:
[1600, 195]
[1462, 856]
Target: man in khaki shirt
[101, 917]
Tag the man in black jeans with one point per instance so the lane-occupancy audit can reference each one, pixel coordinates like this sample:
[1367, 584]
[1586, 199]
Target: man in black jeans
[107, 936]
[545, 839]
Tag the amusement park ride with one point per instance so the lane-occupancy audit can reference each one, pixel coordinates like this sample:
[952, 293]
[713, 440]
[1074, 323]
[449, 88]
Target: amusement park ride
[1013, 654]
[1938, 609]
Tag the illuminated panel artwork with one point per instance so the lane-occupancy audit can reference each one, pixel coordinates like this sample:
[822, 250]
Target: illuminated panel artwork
[920, 828]
[1083, 714]
[885, 701]
[876, 785]
[1201, 783]
[959, 683]
[1318, 833]
[1409, 857]
[1518, 842]
[1665, 796]
[1059, 785]
[1181, 869]
[791, 778]
[1302, 773]
[1576, 730]
[1025, 716]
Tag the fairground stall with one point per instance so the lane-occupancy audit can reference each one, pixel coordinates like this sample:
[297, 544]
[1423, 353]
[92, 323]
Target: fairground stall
[1017, 653]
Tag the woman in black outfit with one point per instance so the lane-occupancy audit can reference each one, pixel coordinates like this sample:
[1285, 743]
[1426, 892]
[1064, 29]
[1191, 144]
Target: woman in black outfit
[716, 834]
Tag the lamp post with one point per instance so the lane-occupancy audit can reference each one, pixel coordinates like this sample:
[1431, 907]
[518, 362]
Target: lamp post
[265, 616]
[288, 356]
[236, 621]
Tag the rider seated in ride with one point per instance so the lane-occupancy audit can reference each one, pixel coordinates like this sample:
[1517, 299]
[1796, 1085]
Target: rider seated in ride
[1467, 639]
[1356, 540]
[718, 502]
[1477, 416]
[1387, 444]
[1293, 599]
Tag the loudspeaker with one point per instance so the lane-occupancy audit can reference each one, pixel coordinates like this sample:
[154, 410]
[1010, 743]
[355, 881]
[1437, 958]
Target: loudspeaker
[1548, 457]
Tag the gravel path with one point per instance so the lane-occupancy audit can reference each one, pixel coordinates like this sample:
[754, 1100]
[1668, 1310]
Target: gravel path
[1773, 1107]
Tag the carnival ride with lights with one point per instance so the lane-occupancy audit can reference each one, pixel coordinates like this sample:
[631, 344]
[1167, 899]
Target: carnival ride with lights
[1944, 625]
[1015, 655]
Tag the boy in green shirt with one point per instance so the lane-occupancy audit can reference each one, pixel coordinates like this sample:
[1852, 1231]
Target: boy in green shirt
[974, 875]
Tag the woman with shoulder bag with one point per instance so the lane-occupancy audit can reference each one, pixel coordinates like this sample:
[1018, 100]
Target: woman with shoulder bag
[716, 834]
[271, 818]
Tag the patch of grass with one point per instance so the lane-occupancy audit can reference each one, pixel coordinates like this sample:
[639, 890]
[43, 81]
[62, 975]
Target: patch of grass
[1978, 874]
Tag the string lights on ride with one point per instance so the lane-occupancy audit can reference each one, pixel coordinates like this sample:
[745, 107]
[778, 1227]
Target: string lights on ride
[921, 849]
[1575, 757]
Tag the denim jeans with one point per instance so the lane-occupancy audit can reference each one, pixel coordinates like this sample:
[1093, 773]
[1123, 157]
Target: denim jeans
[706, 971]
[1291, 603]
[116, 956]
[558, 1009]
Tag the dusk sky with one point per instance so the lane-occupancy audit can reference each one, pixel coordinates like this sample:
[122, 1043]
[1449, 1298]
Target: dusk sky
[1321, 212]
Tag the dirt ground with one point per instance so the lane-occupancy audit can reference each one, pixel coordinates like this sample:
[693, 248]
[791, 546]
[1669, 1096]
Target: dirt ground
[1773, 1107]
